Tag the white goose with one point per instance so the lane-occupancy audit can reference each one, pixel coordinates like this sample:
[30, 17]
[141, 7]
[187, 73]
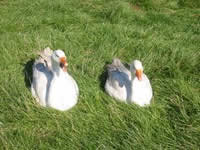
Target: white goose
[52, 86]
[130, 86]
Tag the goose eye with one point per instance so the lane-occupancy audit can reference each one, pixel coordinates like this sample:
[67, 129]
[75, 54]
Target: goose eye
[56, 55]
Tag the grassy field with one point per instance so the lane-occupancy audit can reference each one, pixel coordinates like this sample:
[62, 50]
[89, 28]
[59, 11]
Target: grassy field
[164, 34]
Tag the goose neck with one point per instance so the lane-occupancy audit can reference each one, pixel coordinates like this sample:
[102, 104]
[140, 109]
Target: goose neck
[57, 71]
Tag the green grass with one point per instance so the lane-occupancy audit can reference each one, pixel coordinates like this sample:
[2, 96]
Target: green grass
[164, 34]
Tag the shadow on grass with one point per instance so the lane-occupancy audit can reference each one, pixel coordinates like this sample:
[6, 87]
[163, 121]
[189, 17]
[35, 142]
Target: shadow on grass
[28, 73]
[103, 76]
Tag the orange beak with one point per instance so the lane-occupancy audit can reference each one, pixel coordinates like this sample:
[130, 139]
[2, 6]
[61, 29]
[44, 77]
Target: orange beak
[139, 74]
[63, 63]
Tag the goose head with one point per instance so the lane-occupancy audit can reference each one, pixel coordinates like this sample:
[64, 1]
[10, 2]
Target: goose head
[137, 69]
[59, 60]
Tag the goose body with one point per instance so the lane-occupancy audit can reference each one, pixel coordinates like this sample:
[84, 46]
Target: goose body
[63, 93]
[130, 86]
[52, 86]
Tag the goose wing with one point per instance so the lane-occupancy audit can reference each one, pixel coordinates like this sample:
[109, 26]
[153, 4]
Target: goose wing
[118, 72]
[42, 76]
